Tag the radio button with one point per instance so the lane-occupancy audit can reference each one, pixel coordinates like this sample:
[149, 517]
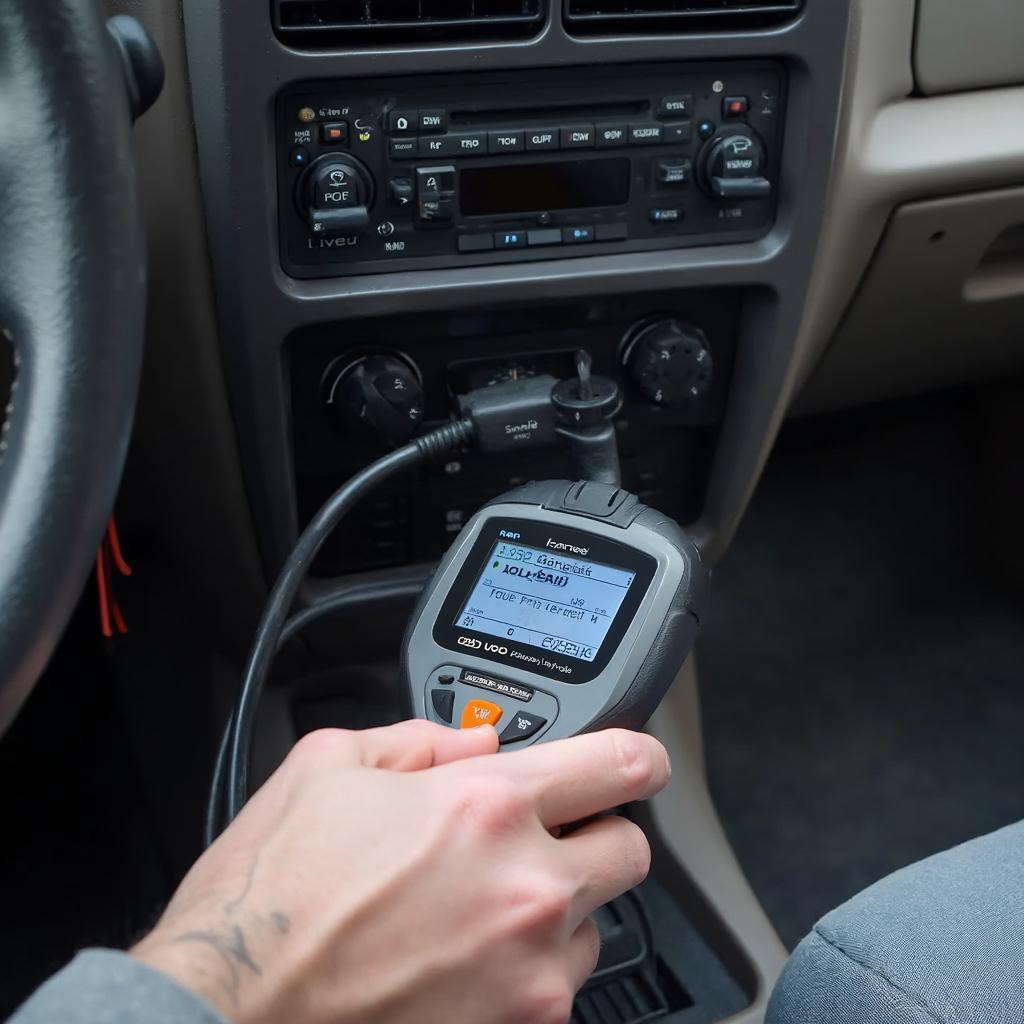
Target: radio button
[665, 214]
[672, 172]
[433, 120]
[678, 131]
[400, 191]
[335, 186]
[675, 106]
[435, 193]
[403, 120]
[475, 243]
[542, 138]
[580, 234]
[436, 145]
[435, 179]
[436, 209]
[544, 236]
[609, 135]
[506, 141]
[469, 143]
[509, 239]
[646, 134]
[735, 106]
[578, 137]
[403, 148]
[334, 134]
[615, 232]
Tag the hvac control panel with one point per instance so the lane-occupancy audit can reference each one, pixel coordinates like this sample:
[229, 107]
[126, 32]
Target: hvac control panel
[419, 173]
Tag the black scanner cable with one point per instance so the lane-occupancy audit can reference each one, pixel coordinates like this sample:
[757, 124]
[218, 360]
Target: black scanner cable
[270, 630]
[406, 587]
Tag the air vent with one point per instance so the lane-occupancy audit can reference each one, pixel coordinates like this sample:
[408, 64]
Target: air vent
[318, 23]
[592, 17]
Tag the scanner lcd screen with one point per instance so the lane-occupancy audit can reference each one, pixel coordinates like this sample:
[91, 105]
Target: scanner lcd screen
[545, 599]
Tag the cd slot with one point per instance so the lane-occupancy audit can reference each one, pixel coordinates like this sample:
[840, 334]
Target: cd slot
[560, 113]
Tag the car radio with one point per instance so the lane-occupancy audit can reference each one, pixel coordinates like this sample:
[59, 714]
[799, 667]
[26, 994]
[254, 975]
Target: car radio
[448, 171]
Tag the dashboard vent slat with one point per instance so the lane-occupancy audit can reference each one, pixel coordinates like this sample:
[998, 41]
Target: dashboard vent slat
[676, 16]
[374, 22]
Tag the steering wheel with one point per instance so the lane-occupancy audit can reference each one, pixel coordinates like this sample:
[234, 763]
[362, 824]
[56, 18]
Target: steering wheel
[72, 307]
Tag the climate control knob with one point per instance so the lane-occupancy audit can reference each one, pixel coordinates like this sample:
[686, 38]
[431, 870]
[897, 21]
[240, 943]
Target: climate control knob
[335, 196]
[732, 164]
[377, 396]
[669, 361]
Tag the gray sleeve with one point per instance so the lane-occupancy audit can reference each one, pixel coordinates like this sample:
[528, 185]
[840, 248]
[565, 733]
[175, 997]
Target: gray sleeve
[101, 986]
[939, 941]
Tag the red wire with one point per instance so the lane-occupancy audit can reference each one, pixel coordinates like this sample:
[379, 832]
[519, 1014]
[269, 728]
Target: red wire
[101, 587]
[115, 548]
[109, 557]
[115, 608]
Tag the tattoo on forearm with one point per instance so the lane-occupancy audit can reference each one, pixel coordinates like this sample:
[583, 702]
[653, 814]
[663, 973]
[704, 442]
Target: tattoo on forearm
[229, 943]
[233, 905]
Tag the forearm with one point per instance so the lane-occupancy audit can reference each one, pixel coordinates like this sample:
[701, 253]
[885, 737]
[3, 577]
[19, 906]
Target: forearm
[101, 986]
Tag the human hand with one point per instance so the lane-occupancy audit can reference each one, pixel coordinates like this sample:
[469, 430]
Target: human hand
[397, 875]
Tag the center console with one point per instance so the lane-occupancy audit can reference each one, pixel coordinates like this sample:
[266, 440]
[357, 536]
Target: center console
[448, 171]
[673, 358]
[401, 209]
[391, 175]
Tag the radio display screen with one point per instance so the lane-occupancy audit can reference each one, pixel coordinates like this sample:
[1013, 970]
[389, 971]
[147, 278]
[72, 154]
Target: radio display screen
[560, 604]
[524, 188]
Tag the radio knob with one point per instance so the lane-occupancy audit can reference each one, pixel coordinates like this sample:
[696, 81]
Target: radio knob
[731, 165]
[335, 195]
[669, 361]
[378, 396]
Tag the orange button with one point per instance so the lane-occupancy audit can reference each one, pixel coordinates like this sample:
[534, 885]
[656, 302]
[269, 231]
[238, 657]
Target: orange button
[479, 712]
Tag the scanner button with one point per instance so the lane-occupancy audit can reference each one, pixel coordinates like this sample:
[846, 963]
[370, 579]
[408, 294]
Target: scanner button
[444, 704]
[479, 712]
[522, 727]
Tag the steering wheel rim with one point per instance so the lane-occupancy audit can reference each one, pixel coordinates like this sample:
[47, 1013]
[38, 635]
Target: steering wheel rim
[72, 305]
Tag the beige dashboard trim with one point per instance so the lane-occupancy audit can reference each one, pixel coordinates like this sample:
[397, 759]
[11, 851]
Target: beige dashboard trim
[891, 147]
[689, 828]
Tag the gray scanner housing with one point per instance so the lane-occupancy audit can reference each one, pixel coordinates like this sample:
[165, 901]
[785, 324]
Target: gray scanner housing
[638, 672]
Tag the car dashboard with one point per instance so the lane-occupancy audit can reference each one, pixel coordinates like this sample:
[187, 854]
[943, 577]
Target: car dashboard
[743, 212]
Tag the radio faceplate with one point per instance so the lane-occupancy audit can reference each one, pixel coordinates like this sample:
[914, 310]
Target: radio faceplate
[464, 170]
